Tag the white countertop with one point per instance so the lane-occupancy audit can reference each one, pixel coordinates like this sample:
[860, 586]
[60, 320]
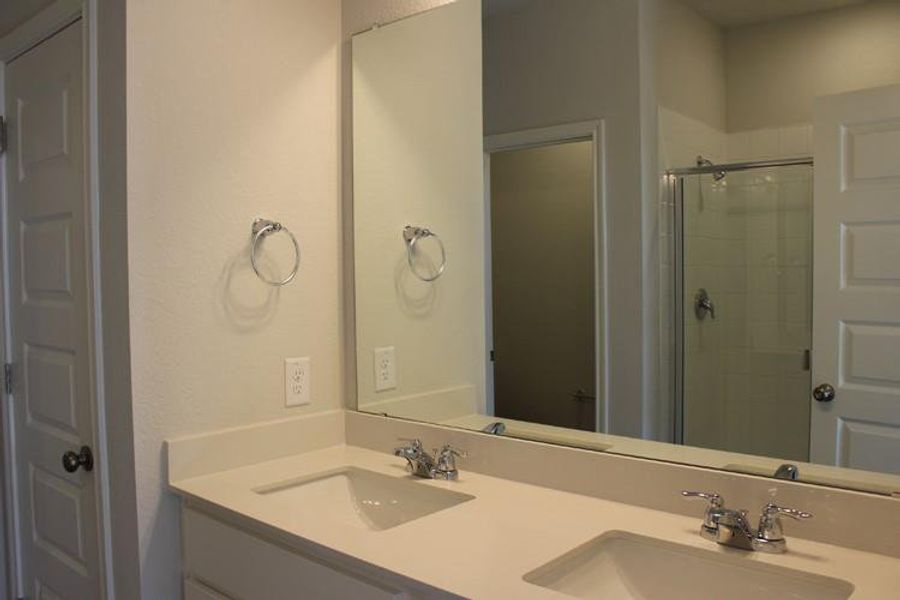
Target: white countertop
[482, 548]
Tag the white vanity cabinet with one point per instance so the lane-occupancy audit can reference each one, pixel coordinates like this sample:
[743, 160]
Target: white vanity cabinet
[226, 561]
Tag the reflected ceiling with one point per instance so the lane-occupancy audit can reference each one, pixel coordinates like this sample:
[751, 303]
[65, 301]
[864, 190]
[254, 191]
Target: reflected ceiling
[734, 13]
[15, 12]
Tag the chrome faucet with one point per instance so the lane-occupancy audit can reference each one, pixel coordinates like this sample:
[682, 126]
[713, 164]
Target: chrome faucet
[422, 464]
[495, 428]
[788, 471]
[732, 527]
[703, 305]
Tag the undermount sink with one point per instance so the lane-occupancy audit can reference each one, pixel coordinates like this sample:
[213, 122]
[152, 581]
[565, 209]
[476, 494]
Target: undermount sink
[362, 498]
[626, 566]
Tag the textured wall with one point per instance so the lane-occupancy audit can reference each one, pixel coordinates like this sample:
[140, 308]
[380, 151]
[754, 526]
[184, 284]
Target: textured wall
[232, 113]
[775, 70]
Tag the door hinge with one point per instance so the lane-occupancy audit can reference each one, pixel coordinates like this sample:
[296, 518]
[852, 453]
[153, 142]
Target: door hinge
[4, 136]
[8, 378]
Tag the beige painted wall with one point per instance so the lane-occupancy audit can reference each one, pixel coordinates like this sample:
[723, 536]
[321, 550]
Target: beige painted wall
[775, 70]
[417, 160]
[232, 113]
[359, 15]
[690, 64]
[535, 77]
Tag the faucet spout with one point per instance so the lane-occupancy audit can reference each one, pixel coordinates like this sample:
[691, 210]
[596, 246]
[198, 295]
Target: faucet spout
[734, 529]
[421, 464]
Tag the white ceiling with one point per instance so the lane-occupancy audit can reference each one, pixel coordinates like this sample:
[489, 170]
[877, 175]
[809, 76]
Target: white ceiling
[15, 12]
[733, 13]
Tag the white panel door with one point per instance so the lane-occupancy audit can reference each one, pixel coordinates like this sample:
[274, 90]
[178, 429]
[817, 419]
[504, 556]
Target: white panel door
[50, 318]
[856, 280]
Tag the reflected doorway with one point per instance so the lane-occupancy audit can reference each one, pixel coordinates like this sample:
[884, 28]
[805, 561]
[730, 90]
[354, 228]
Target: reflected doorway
[542, 281]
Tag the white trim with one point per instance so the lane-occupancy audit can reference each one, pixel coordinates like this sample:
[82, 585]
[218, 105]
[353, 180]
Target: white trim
[10, 543]
[89, 13]
[44, 25]
[489, 406]
[530, 138]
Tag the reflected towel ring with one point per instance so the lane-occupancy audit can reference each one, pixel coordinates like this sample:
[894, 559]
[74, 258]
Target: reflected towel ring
[411, 236]
[261, 229]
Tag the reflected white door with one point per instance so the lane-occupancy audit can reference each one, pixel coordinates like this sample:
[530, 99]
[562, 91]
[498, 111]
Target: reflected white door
[856, 280]
[50, 318]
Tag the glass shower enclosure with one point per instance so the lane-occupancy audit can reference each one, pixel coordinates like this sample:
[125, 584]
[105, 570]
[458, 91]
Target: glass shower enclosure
[743, 299]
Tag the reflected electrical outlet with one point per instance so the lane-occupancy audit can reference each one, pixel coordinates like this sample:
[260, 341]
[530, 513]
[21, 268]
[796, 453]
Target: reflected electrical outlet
[385, 369]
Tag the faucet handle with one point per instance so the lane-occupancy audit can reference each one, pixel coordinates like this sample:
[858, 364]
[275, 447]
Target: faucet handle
[772, 509]
[450, 451]
[412, 449]
[714, 499]
[446, 462]
[770, 534]
[710, 516]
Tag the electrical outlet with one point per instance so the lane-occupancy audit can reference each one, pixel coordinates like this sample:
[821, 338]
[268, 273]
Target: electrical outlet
[297, 375]
[385, 369]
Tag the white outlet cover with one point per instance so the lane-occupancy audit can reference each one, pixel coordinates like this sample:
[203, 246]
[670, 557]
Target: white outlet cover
[297, 381]
[385, 369]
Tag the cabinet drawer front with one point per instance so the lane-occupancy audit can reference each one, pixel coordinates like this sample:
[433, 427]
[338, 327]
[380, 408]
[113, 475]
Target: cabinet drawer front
[247, 567]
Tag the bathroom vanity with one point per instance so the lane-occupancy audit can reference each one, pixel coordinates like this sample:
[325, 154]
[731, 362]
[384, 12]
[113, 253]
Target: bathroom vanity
[320, 515]
[567, 262]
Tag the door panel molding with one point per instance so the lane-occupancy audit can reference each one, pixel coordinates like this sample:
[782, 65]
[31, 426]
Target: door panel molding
[56, 288]
[856, 280]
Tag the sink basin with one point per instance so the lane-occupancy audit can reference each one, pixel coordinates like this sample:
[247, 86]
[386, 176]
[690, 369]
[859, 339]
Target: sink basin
[625, 566]
[362, 498]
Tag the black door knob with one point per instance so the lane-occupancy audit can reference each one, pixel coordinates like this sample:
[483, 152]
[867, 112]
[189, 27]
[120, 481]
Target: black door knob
[823, 393]
[84, 458]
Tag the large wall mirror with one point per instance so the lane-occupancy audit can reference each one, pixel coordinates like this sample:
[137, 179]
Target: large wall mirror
[661, 228]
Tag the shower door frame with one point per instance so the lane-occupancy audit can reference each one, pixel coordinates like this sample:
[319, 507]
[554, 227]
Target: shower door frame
[674, 179]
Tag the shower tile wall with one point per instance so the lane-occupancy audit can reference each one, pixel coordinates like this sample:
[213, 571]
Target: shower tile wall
[747, 242]
[715, 255]
[746, 381]
[766, 144]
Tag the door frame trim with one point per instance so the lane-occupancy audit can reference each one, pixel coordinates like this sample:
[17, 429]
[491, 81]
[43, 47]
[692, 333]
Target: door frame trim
[57, 16]
[593, 131]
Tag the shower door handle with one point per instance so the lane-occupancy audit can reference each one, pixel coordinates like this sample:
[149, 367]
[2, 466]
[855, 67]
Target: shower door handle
[703, 305]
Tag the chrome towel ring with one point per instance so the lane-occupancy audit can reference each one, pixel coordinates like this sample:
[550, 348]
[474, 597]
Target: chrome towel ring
[411, 236]
[261, 229]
